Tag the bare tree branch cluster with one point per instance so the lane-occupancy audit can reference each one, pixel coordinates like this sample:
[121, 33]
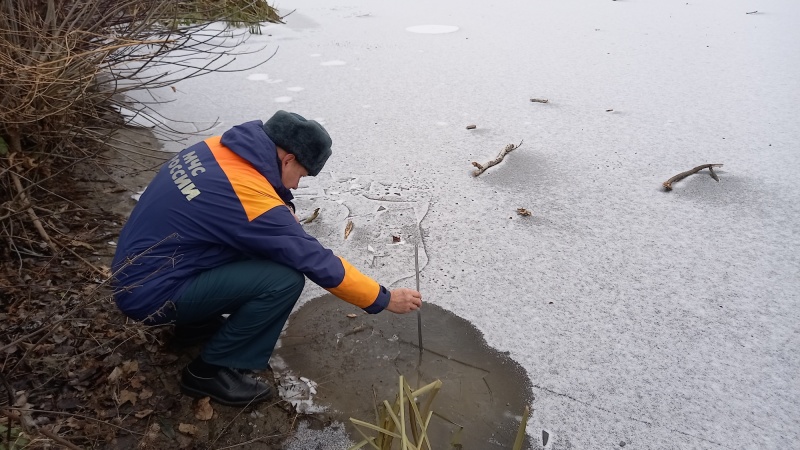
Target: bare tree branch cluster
[67, 67]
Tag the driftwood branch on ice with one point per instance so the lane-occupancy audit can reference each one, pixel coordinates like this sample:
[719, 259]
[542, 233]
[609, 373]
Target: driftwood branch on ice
[668, 184]
[482, 167]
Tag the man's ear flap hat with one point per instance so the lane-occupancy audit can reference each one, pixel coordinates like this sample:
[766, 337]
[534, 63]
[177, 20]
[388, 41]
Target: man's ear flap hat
[307, 140]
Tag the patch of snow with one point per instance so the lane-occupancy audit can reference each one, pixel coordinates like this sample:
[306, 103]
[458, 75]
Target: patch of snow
[432, 29]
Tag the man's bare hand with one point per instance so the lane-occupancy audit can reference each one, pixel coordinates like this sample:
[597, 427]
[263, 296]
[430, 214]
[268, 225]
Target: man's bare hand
[404, 300]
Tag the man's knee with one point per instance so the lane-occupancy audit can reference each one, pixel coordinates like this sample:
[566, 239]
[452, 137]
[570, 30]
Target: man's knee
[291, 282]
[294, 282]
[285, 289]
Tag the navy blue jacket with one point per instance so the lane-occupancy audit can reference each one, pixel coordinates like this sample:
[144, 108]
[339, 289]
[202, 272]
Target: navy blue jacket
[217, 202]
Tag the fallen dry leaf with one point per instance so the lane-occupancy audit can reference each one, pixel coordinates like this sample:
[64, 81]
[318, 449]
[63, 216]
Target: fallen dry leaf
[136, 382]
[523, 212]
[166, 428]
[145, 394]
[143, 413]
[352, 316]
[127, 396]
[114, 375]
[130, 366]
[22, 399]
[203, 409]
[348, 229]
[77, 243]
[39, 348]
[188, 428]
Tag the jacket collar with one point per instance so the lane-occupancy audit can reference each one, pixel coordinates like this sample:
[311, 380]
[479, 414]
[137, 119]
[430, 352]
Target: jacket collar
[250, 142]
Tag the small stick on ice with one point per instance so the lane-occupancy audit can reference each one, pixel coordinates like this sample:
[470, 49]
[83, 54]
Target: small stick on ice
[312, 217]
[482, 168]
[668, 184]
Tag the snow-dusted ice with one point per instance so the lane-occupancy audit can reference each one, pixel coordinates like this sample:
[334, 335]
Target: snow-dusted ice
[432, 29]
[651, 318]
[263, 77]
[333, 62]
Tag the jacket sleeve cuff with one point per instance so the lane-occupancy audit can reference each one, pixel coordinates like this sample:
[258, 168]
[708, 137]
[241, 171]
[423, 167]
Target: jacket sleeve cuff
[380, 303]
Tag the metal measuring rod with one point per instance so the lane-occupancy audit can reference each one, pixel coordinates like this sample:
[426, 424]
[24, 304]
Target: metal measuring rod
[419, 315]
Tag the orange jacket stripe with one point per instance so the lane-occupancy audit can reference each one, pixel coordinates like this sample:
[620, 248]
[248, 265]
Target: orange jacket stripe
[356, 288]
[244, 179]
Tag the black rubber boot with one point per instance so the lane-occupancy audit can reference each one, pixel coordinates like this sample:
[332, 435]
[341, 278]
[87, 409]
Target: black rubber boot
[227, 387]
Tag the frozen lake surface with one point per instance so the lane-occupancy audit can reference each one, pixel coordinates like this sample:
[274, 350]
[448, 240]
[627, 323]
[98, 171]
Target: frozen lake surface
[651, 318]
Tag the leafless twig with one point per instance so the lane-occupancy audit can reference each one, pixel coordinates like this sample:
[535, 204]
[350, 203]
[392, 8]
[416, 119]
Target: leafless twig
[668, 184]
[482, 168]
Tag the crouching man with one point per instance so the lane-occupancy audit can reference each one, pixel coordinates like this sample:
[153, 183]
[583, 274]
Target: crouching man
[215, 233]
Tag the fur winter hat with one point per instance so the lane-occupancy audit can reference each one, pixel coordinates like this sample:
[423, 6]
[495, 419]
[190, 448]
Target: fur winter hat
[307, 140]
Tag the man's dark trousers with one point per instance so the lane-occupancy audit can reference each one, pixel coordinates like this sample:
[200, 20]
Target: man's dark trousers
[259, 296]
